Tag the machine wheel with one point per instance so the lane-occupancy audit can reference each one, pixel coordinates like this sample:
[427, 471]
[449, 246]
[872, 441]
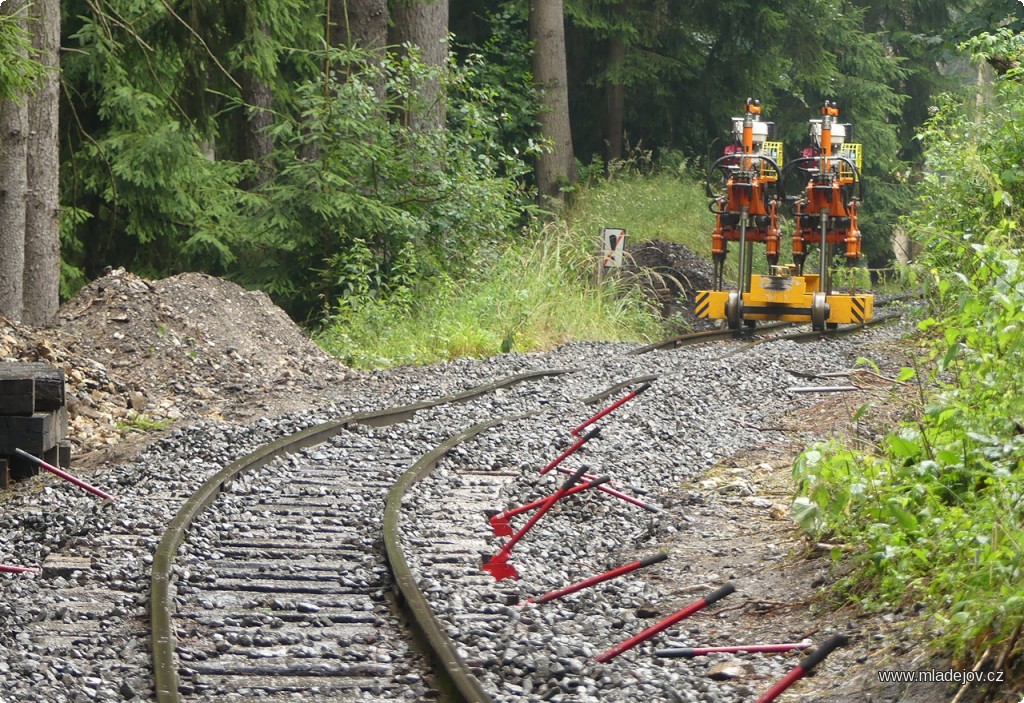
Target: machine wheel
[819, 312]
[734, 310]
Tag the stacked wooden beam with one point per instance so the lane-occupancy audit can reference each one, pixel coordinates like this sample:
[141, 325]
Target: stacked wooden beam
[33, 417]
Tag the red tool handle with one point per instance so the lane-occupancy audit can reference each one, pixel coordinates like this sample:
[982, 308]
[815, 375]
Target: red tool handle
[591, 483]
[548, 504]
[804, 667]
[690, 652]
[64, 475]
[621, 401]
[572, 449]
[17, 569]
[666, 623]
[600, 578]
[623, 496]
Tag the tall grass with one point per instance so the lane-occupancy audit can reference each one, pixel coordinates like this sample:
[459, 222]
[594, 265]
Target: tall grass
[663, 206]
[536, 295]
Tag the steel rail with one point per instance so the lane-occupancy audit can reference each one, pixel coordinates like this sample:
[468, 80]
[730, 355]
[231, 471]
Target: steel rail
[411, 597]
[684, 340]
[838, 332]
[163, 640]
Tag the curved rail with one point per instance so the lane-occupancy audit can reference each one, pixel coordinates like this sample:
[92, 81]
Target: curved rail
[683, 340]
[411, 596]
[161, 604]
[837, 332]
[442, 648]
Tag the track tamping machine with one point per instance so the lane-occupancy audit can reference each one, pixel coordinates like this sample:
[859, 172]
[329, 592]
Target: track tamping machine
[825, 214]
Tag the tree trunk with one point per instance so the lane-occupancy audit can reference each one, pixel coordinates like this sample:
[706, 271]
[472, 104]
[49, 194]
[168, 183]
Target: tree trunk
[362, 23]
[615, 93]
[13, 184]
[257, 143]
[555, 168]
[424, 24]
[259, 117]
[42, 212]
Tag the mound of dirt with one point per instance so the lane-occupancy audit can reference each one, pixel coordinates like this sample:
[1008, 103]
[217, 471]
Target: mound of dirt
[138, 354]
[670, 275]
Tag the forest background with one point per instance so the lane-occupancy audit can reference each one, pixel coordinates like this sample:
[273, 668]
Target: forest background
[340, 154]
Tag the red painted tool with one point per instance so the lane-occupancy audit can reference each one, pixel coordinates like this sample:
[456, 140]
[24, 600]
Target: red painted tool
[804, 667]
[690, 652]
[600, 578]
[64, 475]
[619, 494]
[4, 569]
[498, 566]
[572, 449]
[666, 623]
[500, 522]
[621, 401]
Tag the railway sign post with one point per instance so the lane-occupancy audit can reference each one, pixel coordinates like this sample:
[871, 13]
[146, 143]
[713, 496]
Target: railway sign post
[614, 244]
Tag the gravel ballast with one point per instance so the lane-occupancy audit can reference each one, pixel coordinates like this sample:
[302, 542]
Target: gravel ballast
[78, 631]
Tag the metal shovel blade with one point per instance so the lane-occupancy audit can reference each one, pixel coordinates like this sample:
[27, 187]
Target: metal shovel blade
[500, 569]
[501, 526]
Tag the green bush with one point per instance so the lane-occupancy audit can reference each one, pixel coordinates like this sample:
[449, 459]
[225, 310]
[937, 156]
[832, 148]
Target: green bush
[937, 511]
[360, 204]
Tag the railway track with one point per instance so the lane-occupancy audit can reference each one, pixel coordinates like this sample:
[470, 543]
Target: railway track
[81, 631]
[272, 579]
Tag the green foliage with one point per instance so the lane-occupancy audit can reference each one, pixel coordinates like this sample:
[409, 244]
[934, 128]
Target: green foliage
[537, 294]
[498, 76]
[19, 72]
[938, 507]
[354, 202]
[377, 204]
[137, 155]
[140, 422]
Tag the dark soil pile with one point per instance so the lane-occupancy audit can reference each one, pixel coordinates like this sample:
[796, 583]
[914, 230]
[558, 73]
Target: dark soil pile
[138, 354]
[670, 274]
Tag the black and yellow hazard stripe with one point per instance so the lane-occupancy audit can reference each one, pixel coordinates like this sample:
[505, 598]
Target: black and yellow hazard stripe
[703, 303]
[857, 309]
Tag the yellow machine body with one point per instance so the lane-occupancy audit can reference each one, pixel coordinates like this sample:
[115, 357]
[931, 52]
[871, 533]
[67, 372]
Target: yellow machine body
[787, 298]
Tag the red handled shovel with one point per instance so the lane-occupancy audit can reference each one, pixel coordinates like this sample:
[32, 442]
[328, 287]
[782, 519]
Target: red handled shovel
[498, 565]
[620, 495]
[804, 667]
[666, 623]
[500, 522]
[572, 449]
[621, 401]
[691, 652]
[600, 578]
[64, 475]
